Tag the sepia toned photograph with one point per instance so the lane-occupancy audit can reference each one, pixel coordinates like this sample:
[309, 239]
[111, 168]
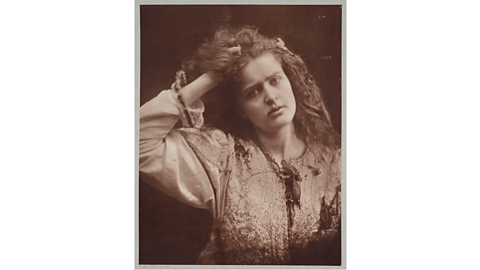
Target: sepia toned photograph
[240, 128]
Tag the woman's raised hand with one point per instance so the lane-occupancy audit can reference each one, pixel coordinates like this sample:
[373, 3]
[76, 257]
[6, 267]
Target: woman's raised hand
[237, 50]
[218, 65]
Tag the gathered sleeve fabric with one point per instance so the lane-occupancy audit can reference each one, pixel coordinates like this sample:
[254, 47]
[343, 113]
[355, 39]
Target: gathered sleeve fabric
[189, 164]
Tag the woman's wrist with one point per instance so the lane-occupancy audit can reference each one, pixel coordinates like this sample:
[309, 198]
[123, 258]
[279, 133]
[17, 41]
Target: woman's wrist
[213, 78]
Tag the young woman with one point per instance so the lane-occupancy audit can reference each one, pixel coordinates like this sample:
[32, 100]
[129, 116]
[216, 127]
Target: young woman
[266, 163]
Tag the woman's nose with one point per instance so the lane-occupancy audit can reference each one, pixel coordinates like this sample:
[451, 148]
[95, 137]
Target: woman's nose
[270, 95]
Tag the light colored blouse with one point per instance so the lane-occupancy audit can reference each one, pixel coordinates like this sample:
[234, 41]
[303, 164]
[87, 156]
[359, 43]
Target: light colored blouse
[241, 185]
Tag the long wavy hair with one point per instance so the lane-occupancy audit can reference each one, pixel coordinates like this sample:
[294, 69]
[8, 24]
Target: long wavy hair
[312, 120]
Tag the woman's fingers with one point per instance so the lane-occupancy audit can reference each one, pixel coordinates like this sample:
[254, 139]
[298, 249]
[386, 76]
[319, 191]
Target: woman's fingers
[235, 50]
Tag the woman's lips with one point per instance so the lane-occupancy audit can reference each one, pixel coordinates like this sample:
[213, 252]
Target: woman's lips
[275, 110]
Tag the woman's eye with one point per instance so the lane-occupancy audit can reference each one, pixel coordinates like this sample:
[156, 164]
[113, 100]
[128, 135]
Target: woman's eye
[275, 81]
[253, 93]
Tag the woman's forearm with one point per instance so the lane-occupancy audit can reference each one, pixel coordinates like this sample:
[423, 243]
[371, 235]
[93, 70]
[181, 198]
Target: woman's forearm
[196, 89]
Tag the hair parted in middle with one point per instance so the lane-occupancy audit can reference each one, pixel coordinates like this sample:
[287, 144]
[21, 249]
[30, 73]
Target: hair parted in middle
[312, 120]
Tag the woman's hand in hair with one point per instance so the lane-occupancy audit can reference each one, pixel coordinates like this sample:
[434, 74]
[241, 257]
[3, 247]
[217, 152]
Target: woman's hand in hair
[218, 65]
[237, 50]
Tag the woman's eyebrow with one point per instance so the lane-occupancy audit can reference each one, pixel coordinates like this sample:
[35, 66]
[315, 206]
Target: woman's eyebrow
[260, 83]
[250, 87]
[273, 75]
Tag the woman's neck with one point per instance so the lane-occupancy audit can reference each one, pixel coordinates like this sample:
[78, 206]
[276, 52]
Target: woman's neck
[282, 144]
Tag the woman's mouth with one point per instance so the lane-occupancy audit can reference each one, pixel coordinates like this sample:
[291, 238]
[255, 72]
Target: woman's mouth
[275, 110]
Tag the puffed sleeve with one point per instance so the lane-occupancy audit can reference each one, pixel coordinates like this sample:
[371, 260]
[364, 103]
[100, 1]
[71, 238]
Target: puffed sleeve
[188, 163]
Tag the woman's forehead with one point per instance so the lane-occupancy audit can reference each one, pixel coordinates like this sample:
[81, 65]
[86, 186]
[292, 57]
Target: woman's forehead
[260, 68]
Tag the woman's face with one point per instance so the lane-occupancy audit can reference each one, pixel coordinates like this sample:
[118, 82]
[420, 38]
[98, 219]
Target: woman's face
[266, 97]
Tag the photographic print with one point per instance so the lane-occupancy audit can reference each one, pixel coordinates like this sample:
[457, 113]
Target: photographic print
[241, 129]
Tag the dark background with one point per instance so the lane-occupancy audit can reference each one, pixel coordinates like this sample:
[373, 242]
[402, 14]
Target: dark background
[171, 232]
